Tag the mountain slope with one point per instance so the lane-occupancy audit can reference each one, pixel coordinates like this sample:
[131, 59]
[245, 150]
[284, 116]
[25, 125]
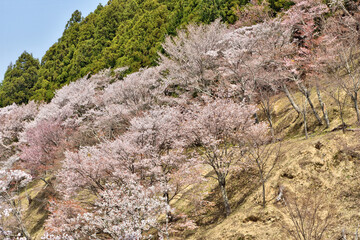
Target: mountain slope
[121, 33]
[325, 166]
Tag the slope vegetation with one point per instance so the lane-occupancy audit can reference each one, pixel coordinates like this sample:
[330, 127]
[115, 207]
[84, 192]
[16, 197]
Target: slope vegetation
[242, 132]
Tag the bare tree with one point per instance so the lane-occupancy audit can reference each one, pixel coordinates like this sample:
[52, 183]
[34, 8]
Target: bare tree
[336, 93]
[322, 104]
[304, 113]
[263, 155]
[310, 217]
[267, 106]
[346, 72]
[344, 234]
[291, 98]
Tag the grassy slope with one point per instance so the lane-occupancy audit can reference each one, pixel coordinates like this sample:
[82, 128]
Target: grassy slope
[330, 173]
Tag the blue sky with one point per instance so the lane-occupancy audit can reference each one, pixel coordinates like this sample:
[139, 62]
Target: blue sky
[34, 25]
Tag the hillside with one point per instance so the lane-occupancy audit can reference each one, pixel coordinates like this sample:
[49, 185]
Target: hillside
[243, 131]
[330, 172]
[326, 166]
[121, 33]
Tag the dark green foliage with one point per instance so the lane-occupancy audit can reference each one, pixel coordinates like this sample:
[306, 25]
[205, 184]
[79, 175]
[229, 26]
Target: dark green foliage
[75, 18]
[19, 80]
[122, 33]
[278, 5]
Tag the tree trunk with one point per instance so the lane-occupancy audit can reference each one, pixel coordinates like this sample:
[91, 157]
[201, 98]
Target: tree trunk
[225, 199]
[356, 106]
[265, 105]
[323, 107]
[22, 227]
[342, 118]
[26, 233]
[314, 110]
[272, 130]
[306, 93]
[288, 95]
[305, 121]
[167, 227]
[268, 116]
[256, 118]
[264, 197]
[166, 195]
[17, 213]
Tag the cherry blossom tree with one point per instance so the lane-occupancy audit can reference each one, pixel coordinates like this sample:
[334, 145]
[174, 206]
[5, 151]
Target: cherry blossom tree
[137, 91]
[41, 145]
[250, 62]
[305, 19]
[219, 129]
[72, 101]
[13, 119]
[189, 57]
[124, 99]
[11, 219]
[339, 59]
[90, 168]
[129, 211]
[159, 139]
[123, 211]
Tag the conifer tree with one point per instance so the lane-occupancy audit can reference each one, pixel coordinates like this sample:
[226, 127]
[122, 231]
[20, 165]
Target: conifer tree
[19, 79]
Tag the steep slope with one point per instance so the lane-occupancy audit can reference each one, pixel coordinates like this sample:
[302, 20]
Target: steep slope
[333, 178]
[326, 166]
